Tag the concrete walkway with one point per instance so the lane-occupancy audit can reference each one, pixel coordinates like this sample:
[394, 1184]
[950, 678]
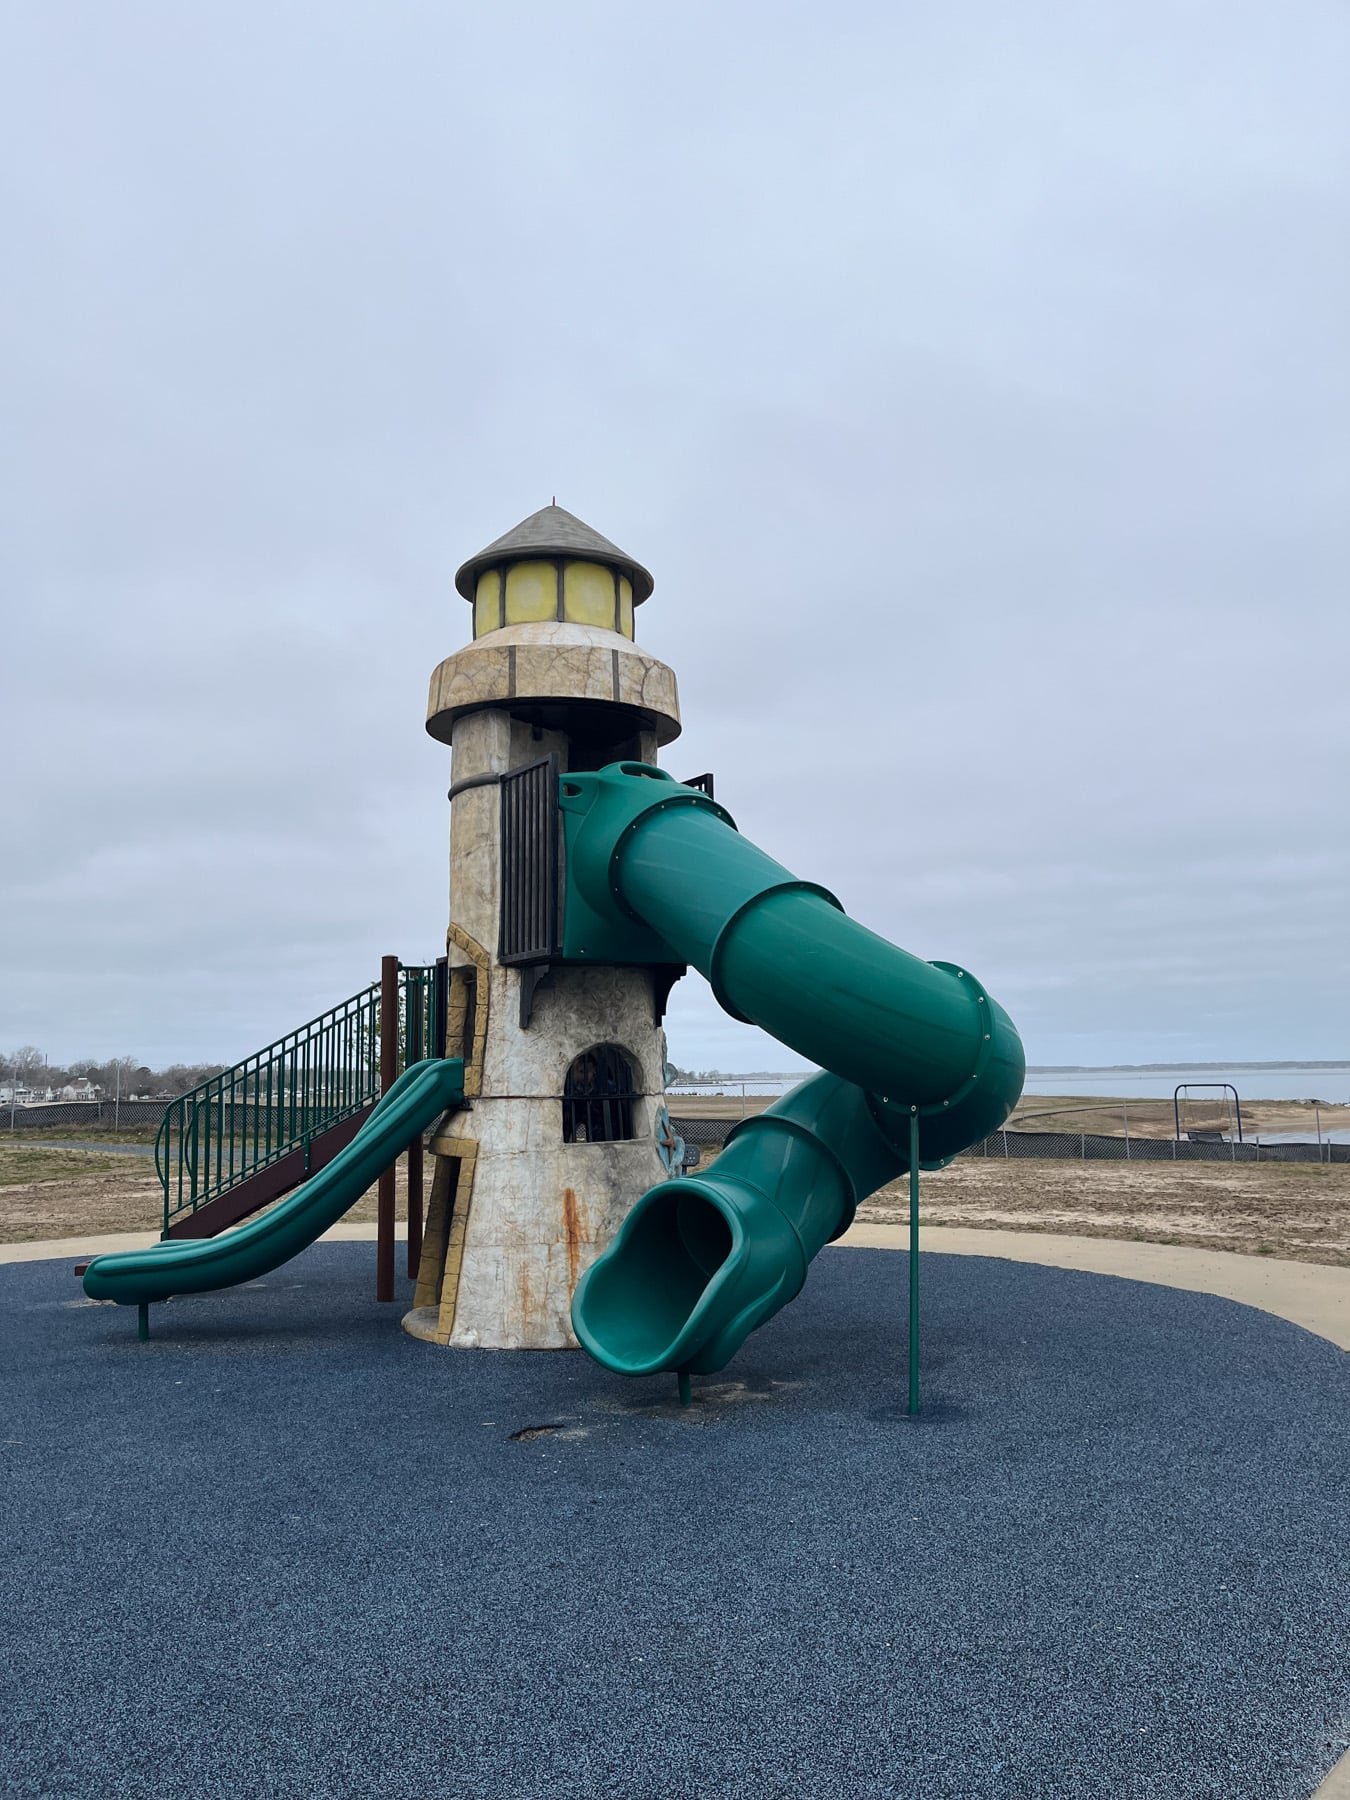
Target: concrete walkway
[108, 1242]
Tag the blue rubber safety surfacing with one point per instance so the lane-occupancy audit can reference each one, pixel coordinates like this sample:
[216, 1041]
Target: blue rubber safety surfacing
[283, 1550]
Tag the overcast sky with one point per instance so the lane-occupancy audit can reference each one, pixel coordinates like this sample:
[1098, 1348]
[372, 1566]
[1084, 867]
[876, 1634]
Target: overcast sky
[973, 380]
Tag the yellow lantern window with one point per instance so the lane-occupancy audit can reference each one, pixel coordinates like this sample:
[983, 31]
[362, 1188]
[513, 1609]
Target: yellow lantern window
[588, 594]
[487, 602]
[531, 592]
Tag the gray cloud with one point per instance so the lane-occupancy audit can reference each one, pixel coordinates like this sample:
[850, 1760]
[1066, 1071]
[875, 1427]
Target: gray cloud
[975, 386]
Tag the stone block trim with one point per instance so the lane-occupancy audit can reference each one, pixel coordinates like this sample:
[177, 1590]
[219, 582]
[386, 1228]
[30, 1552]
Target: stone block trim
[548, 662]
[463, 1152]
[457, 1015]
[431, 1267]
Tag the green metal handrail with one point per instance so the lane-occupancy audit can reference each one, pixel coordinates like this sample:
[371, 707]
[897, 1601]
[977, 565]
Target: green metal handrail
[275, 1101]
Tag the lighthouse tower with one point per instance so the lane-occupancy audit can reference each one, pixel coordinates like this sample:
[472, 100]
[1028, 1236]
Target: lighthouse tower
[564, 1123]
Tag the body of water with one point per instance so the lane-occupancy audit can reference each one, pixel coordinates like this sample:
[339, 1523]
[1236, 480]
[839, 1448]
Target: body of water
[1329, 1085]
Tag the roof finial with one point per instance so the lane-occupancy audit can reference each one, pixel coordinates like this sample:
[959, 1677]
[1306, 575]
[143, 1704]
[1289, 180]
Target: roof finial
[554, 500]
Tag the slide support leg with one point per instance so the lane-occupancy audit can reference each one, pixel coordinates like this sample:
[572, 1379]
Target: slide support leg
[684, 1387]
[913, 1260]
[143, 1321]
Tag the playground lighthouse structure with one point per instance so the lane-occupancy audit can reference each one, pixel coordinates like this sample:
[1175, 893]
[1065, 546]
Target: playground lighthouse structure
[584, 880]
[564, 1120]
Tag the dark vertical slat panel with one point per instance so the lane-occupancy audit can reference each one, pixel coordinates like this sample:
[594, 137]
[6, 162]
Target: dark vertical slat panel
[529, 828]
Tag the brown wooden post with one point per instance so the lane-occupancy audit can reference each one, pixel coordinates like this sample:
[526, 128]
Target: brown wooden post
[384, 1209]
[416, 1050]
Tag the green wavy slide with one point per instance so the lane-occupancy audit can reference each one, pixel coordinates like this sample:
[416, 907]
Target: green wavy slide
[913, 1049]
[194, 1265]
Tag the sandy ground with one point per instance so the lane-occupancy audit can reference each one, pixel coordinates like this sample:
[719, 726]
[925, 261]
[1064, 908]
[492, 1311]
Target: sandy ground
[1298, 1211]
[1295, 1210]
[1156, 1118]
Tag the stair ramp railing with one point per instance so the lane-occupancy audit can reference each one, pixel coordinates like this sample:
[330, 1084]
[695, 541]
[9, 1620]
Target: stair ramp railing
[278, 1100]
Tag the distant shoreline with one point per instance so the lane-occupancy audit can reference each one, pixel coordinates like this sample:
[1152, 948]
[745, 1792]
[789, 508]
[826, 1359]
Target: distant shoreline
[1158, 1068]
[1150, 1068]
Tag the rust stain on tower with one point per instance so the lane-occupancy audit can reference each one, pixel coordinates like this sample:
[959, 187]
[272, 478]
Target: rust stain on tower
[572, 1227]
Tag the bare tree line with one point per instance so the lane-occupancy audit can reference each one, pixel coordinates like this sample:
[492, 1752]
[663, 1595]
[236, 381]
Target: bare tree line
[28, 1068]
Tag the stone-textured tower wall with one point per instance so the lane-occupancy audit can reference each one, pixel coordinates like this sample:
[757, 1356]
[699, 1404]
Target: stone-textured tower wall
[517, 1212]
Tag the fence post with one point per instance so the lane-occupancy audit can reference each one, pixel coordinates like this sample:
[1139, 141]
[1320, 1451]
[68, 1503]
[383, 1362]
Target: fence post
[1125, 1109]
[1082, 1136]
[384, 1206]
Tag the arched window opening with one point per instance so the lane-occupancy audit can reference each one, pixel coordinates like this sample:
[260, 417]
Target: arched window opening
[598, 1097]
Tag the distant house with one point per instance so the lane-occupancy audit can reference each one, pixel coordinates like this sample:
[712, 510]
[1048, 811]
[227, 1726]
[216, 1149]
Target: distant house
[80, 1089]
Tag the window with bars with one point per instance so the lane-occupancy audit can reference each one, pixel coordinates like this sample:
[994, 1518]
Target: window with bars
[598, 1097]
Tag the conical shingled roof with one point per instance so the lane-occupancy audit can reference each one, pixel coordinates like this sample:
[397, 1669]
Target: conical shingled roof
[553, 531]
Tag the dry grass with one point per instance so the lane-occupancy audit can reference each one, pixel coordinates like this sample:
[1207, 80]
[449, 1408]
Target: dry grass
[72, 1193]
[90, 1192]
[25, 1164]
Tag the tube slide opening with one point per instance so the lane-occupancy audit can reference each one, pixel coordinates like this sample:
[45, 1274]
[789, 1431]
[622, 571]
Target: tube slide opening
[643, 1294]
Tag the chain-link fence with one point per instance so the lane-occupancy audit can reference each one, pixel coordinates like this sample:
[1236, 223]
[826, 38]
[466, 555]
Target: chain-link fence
[710, 1135]
[1089, 1146]
[84, 1115]
[1081, 1146]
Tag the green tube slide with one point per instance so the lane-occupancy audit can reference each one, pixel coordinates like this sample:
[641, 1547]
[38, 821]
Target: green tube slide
[195, 1265]
[701, 1261]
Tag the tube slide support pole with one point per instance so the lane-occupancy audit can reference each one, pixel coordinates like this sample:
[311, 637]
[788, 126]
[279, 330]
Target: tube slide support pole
[913, 1261]
[143, 1322]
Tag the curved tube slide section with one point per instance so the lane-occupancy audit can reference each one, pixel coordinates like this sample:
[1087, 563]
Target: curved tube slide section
[195, 1265]
[701, 1261]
